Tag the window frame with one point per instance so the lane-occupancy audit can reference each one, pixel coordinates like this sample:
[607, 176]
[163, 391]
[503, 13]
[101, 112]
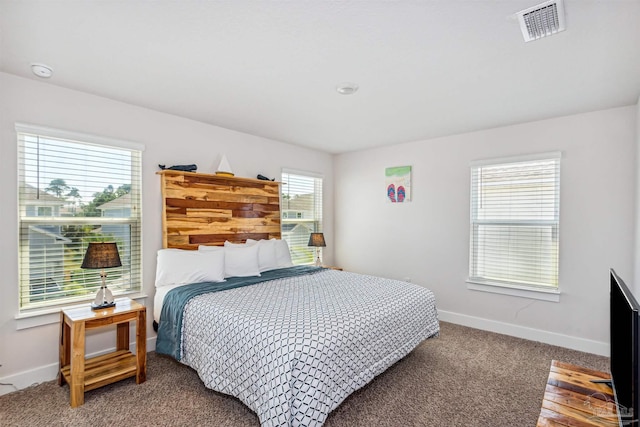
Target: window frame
[26, 306]
[286, 216]
[508, 287]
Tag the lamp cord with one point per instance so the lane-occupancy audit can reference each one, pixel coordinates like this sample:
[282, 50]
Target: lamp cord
[9, 384]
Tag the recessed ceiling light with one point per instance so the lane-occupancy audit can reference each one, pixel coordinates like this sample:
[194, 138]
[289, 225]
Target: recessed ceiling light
[41, 70]
[347, 88]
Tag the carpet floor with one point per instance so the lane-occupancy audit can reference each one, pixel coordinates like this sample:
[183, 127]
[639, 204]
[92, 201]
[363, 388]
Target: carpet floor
[465, 377]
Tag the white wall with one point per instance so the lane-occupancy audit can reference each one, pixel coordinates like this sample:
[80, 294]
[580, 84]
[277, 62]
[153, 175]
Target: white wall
[32, 354]
[428, 238]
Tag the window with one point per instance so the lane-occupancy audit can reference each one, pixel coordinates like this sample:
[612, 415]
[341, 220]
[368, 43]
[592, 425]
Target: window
[514, 222]
[301, 211]
[45, 211]
[74, 189]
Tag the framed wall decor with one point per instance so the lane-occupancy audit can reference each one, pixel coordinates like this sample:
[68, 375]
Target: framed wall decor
[398, 184]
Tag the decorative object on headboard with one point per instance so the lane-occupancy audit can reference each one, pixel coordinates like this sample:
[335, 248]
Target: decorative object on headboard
[204, 209]
[185, 168]
[224, 168]
[264, 178]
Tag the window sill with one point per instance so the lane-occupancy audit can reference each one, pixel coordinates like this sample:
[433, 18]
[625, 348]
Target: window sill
[48, 316]
[552, 295]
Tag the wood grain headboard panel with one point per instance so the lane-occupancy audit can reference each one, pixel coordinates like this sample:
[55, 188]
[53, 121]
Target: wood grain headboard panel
[205, 209]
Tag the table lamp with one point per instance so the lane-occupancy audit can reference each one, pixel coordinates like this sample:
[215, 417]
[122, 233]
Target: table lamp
[102, 255]
[317, 240]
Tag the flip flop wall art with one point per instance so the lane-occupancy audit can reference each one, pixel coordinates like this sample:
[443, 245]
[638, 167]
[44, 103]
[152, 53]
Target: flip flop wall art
[398, 184]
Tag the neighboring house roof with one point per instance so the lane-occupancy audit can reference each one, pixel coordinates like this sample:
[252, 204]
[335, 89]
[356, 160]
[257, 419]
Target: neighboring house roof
[295, 228]
[302, 202]
[57, 237]
[288, 227]
[117, 203]
[32, 194]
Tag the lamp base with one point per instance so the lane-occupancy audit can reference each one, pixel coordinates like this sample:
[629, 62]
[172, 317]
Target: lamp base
[104, 297]
[101, 306]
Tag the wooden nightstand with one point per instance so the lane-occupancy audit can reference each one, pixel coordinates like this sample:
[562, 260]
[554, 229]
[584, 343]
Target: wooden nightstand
[84, 375]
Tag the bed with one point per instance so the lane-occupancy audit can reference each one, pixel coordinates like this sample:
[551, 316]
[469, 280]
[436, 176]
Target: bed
[291, 342]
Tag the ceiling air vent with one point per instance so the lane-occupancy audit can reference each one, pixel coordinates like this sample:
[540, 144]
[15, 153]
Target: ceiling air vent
[542, 20]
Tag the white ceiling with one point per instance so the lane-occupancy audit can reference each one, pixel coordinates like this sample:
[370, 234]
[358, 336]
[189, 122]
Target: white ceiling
[270, 68]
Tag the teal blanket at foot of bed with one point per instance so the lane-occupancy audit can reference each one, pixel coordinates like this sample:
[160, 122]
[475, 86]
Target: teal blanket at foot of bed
[170, 326]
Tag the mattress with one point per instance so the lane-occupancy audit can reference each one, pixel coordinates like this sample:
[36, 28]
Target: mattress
[158, 299]
[292, 349]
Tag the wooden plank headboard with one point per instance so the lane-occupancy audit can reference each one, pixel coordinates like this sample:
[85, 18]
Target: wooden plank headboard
[205, 209]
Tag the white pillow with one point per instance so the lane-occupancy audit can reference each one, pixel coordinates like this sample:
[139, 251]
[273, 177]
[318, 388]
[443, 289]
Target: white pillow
[207, 248]
[183, 267]
[241, 261]
[249, 242]
[283, 255]
[267, 259]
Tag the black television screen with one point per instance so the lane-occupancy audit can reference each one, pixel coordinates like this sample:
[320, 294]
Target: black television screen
[625, 350]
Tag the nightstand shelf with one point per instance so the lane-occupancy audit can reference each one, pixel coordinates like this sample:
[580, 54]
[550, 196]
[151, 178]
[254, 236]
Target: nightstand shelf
[87, 374]
[106, 369]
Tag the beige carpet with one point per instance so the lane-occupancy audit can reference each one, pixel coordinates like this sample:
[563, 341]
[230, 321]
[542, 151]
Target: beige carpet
[465, 377]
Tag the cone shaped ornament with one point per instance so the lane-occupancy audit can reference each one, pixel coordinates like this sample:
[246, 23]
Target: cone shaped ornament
[224, 168]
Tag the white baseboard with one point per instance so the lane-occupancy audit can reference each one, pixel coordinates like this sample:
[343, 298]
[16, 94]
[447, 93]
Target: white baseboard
[574, 343]
[50, 372]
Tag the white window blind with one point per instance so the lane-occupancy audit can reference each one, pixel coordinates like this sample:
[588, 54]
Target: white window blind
[301, 211]
[515, 216]
[73, 191]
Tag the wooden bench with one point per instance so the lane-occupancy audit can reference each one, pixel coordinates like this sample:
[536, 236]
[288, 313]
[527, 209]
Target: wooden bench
[571, 398]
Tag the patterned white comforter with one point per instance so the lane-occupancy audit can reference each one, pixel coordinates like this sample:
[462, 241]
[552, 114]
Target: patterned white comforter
[293, 349]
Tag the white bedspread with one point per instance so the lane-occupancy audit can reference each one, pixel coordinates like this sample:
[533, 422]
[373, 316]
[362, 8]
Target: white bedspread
[293, 349]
